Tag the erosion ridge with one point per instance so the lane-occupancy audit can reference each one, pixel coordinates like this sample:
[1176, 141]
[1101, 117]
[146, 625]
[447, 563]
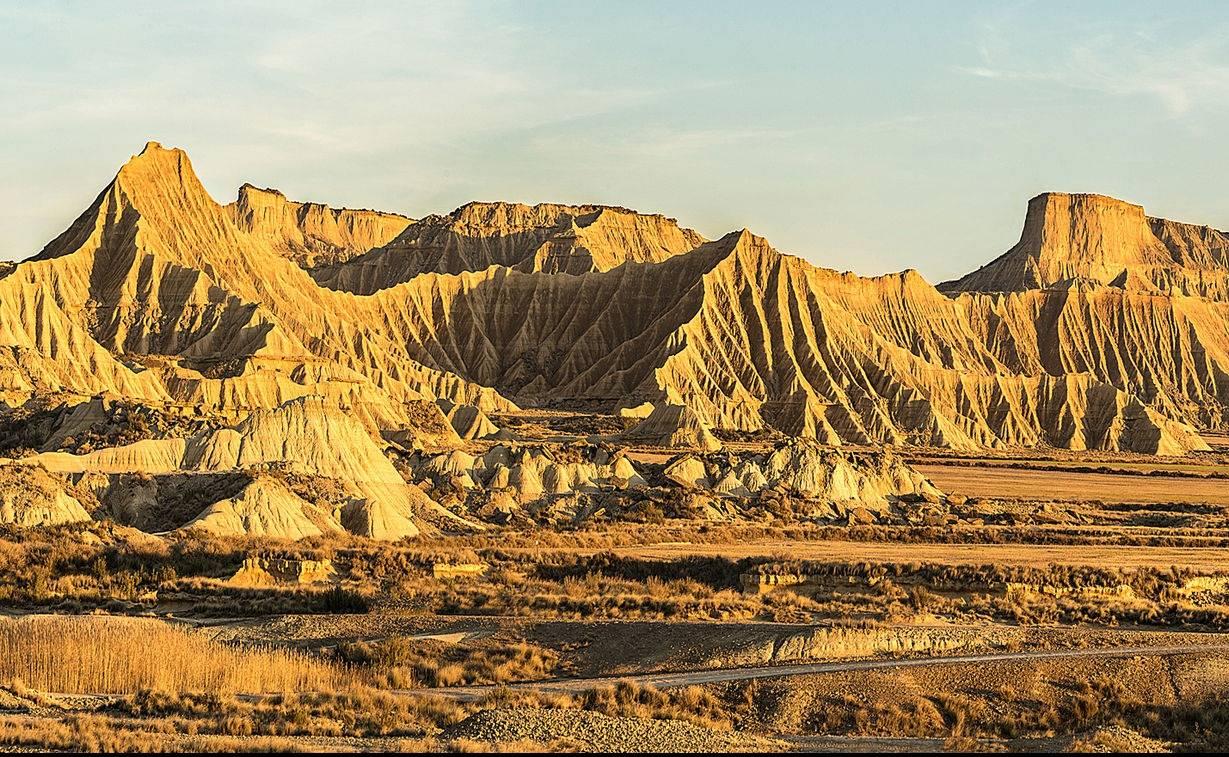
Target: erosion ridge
[545, 237]
[159, 293]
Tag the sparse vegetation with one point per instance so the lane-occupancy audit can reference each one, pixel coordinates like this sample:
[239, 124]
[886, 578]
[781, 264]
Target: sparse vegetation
[101, 655]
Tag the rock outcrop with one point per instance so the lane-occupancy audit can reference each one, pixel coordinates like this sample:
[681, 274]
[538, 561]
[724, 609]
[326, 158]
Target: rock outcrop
[748, 338]
[1073, 239]
[31, 496]
[155, 293]
[160, 295]
[874, 481]
[309, 233]
[539, 238]
[672, 426]
[265, 507]
[307, 436]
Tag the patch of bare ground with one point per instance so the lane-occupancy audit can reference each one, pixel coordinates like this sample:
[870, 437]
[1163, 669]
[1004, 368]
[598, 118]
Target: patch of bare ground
[992, 481]
[1201, 558]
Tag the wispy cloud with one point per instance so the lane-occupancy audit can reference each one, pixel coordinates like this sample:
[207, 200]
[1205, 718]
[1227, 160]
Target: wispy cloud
[1183, 78]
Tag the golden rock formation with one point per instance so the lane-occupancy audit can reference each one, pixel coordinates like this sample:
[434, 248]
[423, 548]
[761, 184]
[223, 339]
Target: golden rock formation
[159, 294]
[539, 238]
[307, 435]
[1083, 238]
[309, 233]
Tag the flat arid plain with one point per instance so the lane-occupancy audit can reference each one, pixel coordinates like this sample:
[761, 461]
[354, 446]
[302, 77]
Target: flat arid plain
[280, 476]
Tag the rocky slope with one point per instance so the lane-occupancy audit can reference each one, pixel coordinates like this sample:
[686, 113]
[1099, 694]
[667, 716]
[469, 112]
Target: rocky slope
[159, 294]
[540, 238]
[748, 338]
[155, 293]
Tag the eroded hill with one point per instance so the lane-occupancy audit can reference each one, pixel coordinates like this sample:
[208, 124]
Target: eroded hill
[159, 294]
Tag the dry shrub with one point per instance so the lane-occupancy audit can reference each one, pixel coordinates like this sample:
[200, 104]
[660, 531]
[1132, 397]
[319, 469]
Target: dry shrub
[108, 655]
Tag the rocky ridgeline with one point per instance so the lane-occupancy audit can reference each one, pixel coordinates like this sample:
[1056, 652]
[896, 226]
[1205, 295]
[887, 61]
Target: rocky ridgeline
[158, 294]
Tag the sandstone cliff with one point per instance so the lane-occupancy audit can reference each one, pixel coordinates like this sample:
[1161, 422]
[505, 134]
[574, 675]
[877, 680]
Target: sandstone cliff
[155, 293]
[748, 338]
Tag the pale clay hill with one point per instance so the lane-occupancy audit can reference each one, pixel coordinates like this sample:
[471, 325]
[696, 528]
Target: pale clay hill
[409, 333]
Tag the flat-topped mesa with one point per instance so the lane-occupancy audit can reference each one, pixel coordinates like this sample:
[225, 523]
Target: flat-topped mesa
[1089, 239]
[309, 233]
[545, 238]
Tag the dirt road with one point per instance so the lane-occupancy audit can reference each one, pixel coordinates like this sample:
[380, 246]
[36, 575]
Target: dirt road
[721, 675]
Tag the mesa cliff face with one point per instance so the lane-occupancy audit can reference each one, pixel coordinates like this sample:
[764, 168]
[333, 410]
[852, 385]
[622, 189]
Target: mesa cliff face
[1073, 239]
[1095, 286]
[158, 293]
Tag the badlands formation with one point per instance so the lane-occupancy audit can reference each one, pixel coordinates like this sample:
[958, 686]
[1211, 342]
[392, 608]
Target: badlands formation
[278, 368]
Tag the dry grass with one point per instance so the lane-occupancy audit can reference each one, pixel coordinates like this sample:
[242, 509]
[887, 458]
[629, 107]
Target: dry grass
[106, 655]
[692, 704]
[404, 663]
[90, 733]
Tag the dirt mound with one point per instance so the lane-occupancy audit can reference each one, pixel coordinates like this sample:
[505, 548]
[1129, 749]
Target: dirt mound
[551, 482]
[1115, 739]
[468, 421]
[842, 480]
[672, 426]
[265, 507]
[596, 732]
[307, 436]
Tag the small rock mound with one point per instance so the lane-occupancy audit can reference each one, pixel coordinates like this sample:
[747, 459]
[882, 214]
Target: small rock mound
[511, 478]
[672, 426]
[869, 481]
[265, 507]
[307, 436]
[468, 420]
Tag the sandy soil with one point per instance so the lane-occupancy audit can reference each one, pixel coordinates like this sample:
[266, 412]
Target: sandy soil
[1116, 556]
[1031, 484]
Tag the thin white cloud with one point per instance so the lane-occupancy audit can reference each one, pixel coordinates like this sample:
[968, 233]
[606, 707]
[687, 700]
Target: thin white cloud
[1183, 78]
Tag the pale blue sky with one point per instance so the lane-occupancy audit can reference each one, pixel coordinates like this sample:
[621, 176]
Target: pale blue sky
[871, 137]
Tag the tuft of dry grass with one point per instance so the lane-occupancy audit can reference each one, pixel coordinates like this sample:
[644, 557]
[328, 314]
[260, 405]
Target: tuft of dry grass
[111, 655]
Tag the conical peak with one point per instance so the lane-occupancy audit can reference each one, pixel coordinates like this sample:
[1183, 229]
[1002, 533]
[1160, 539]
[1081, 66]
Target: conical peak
[743, 239]
[158, 169]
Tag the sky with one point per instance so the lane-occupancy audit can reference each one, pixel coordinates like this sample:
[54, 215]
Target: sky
[870, 137]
